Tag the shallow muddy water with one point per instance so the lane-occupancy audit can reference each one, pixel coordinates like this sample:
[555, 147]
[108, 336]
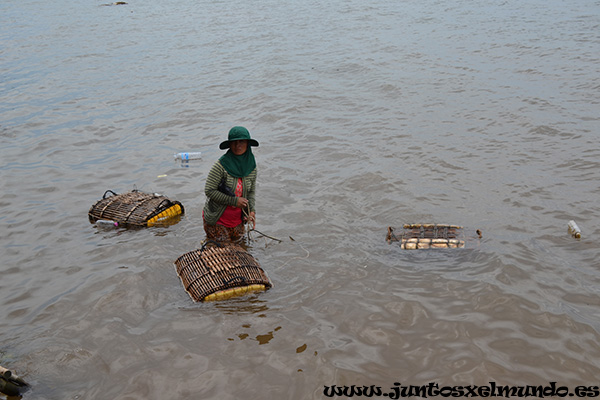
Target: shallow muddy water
[369, 115]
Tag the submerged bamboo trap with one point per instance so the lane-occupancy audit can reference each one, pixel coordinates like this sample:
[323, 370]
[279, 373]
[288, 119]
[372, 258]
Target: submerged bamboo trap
[11, 384]
[135, 208]
[429, 236]
[218, 272]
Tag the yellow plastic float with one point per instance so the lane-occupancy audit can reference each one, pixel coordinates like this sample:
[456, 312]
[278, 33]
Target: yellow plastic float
[235, 292]
[169, 213]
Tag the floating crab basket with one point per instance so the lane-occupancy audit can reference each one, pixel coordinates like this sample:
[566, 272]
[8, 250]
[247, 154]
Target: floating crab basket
[428, 236]
[134, 208]
[218, 272]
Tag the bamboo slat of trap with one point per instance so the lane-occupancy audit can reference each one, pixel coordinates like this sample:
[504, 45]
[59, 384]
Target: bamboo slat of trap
[213, 269]
[429, 236]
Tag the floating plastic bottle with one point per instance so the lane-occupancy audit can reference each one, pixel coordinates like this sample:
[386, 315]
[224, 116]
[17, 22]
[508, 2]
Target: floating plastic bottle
[105, 223]
[574, 229]
[188, 156]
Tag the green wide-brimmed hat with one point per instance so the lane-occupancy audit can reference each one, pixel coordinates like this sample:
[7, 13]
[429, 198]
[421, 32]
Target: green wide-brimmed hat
[238, 133]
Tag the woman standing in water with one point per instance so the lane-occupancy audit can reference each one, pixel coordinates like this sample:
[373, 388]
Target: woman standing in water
[230, 189]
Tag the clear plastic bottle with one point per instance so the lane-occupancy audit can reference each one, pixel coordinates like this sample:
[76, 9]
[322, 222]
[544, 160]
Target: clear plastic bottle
[105, 223]
[188, 156]
[574, 229]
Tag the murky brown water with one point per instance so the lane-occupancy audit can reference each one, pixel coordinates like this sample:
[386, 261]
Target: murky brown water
[369, 115]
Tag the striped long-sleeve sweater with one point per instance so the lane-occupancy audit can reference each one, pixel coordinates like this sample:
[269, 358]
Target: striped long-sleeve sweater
[216, 201]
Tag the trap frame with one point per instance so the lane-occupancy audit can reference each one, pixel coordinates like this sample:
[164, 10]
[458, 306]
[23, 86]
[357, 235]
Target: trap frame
[217, 271]
[135, 208]
[429, 236]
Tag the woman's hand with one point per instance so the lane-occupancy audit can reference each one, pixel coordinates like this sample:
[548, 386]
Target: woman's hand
[251, 219]
[242, 202]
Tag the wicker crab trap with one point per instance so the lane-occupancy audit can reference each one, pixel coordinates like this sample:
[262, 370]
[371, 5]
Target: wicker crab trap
[429, 236]
[135, 208]
[11, 384]
[218, 272]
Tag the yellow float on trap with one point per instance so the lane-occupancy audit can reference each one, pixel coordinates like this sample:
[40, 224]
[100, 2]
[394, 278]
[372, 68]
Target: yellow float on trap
[218, 272]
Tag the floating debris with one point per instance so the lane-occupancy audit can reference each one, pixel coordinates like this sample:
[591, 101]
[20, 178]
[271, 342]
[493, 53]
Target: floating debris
[116, 3]
[574, 229]
[195, 155]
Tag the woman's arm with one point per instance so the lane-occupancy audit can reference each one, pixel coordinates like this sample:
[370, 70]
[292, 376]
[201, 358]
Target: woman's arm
[251, 199]
[252, 191]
